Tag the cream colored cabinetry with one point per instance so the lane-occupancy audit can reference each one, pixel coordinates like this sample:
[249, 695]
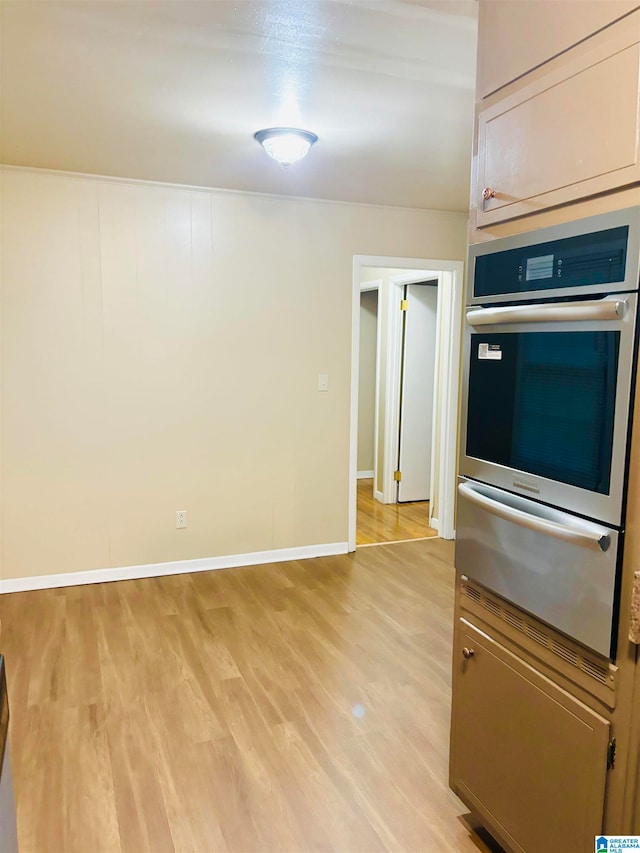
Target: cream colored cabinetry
[564, 132]
[535, 715]
[526, 756]
[519, 35]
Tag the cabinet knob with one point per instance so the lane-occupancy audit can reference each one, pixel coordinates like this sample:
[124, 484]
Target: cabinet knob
[467, 653]
[488, 193]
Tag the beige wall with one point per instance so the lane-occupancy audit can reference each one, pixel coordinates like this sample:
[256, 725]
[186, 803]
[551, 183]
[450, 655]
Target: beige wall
[161, 350]
[367, 379]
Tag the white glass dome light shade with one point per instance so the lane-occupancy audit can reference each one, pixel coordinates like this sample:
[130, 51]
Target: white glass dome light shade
[286, 145]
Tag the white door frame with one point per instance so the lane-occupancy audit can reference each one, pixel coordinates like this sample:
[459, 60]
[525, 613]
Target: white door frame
[366, 287]
[450, 307]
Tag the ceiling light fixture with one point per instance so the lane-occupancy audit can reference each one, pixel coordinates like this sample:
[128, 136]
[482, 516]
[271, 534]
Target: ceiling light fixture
[286, 145]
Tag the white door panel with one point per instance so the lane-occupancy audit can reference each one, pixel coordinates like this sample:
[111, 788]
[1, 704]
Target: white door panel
[416, 412]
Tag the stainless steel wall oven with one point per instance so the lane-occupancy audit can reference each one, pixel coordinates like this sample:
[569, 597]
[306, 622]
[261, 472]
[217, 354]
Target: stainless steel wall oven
[550, 345]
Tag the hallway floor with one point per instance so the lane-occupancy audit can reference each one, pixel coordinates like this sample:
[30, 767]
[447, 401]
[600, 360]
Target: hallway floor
[377, 522]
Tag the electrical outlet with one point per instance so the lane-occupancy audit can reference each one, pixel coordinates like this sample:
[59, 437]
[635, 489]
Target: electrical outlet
[181, 518]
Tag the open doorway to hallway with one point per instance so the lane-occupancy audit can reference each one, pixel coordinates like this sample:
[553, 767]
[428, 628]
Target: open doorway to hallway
[407, 515]
[405, 365]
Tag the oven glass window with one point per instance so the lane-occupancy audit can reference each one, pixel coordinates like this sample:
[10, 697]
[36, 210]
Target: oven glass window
[543, 403]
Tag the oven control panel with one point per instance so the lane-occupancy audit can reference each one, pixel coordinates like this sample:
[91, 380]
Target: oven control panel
[587, 259]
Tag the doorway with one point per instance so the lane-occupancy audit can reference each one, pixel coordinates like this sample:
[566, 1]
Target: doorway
[435, 287]
[408, 516]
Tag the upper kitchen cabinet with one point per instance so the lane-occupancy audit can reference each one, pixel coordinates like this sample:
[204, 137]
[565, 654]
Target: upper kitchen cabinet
[518, 35]
[565, 132]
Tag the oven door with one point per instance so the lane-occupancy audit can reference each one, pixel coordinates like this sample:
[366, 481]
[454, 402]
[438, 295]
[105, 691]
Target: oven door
[546, 394]
[555, 566]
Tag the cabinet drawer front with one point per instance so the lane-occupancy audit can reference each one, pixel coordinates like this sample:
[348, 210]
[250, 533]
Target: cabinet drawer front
[525, 754]
[570, 134]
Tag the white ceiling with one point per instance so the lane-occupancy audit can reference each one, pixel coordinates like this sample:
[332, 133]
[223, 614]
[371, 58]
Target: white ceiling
[173, 91]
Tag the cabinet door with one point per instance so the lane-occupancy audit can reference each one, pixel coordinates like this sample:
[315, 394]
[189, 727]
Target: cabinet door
[528, 757]
[514, 38]
[571, 133]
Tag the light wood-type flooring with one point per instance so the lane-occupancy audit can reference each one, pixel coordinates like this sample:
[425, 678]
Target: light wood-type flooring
[377, 522]
[300, 706]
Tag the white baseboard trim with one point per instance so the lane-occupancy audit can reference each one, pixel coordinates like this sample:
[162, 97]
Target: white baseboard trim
[365, 475]
[178, 567]
[378, 496]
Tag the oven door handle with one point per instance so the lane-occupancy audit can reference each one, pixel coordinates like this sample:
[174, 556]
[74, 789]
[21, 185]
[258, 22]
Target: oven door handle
[587, 536]
[592, 309]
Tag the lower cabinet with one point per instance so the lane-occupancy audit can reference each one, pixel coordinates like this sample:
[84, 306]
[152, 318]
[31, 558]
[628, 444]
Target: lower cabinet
[527, 757]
